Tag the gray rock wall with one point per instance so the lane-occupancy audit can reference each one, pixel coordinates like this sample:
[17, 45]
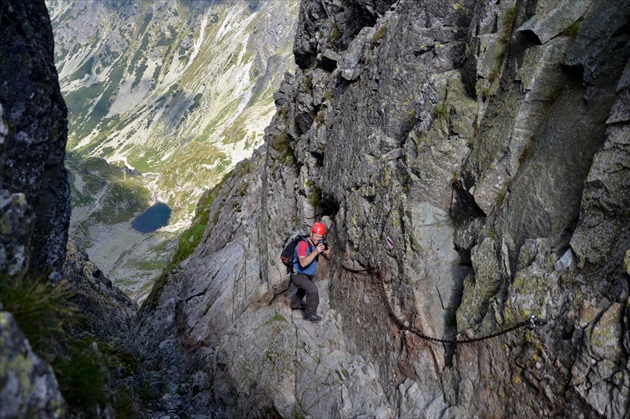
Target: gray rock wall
[33, 142]
[477, 154]
[34, 195]
[34, 218]
[29, 387]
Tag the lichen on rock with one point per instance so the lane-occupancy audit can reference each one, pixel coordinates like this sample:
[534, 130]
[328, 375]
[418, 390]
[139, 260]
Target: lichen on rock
[29, 387]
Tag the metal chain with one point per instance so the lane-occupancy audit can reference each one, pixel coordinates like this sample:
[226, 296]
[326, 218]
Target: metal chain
[418, 333]
[531, 323]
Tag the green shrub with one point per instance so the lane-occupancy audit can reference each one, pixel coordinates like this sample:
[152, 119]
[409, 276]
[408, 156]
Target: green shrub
[43, 310]
[145, 391]
[38, 306]
[281, 142]
[125, 404]
[82, 378]
[314, 193]
[509, 19]
[188, 242]
[204, 205]
[440, 111]
[308, 84]
[494, 74]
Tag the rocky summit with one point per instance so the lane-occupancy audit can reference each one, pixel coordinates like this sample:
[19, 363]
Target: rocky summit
[471, 160]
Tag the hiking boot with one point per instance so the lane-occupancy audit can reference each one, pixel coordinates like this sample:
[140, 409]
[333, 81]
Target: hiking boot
[313, 318]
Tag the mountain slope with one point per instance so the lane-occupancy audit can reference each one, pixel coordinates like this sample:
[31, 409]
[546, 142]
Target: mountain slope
[175, 91]
[474, 157]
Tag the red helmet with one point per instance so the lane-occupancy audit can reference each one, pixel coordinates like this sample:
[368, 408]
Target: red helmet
[319, 228]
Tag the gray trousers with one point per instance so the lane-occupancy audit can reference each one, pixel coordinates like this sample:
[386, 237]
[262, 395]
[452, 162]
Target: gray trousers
[306, 288]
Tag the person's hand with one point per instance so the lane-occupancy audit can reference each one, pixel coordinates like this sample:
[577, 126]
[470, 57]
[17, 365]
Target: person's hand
[320, 248]
[327, 253]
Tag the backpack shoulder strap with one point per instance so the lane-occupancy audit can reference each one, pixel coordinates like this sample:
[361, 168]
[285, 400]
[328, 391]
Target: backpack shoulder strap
[308, 243]
[310, 246]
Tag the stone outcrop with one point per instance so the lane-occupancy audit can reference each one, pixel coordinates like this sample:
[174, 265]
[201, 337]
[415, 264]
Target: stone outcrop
[34, 220]
[33, 134]
[34, 194]
[476, 153]
[29, 387]
[106, 312]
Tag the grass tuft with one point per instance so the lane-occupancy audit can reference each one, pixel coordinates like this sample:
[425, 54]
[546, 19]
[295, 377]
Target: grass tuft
[82, 378]
[188, 242]
[85, 369]
[38, 306]
[380, 34]
[572, 30]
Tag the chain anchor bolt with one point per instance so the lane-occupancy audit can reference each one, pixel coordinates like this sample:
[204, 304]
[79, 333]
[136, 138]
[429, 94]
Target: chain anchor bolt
[535, 321]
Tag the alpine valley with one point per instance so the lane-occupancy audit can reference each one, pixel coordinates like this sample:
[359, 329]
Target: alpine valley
[164, 98]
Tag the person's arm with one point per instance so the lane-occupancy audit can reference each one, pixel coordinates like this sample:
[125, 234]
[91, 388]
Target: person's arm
[304, 260]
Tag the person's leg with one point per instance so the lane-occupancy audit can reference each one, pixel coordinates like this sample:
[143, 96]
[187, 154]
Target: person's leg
[296, 299]
[311, 292]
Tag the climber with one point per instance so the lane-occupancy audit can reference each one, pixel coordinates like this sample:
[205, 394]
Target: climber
[305, 264]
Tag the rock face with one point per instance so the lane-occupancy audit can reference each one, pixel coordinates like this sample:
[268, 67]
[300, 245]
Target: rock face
[474, 157]
[34, 194]
[35, 191]
[35, 213]
[107, 313]
[29, 387]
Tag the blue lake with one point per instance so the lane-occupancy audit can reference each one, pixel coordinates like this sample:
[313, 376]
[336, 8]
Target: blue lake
[154, 217]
